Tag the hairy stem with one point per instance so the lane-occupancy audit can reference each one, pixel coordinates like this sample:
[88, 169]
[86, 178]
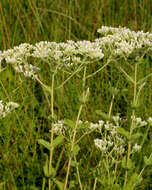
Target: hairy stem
[75, 129]
[132, 123]
[52, 131]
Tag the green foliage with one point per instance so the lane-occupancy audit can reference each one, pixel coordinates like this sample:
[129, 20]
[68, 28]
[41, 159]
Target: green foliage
[44, 143]
[24, 163]
[122, 131]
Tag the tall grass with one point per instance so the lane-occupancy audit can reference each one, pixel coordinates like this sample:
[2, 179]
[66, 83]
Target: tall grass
[23, 162]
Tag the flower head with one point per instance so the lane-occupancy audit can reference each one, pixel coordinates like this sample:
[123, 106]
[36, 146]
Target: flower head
[6, 108]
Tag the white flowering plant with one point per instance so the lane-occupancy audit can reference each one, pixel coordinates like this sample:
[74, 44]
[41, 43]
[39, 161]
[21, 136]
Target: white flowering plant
[116, 141]
[6, 108]
[124, 42]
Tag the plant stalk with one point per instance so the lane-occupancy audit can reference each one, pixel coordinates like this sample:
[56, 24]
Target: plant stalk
[132, 122]
[75, 129]
[52, 131]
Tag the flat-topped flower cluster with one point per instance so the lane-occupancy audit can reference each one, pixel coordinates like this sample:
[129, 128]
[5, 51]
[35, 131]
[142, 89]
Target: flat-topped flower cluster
[58, 55]
[113, 42]
[123, 41]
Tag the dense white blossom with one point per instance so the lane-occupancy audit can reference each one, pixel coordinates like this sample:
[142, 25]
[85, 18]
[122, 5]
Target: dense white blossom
[135, 148]
[27, 69]
[56, 54]
[6, 108]
[139, 122]
[110, 139]
[59, 127]
[114, 41]
[101, 144]
[149, 120]
[123, 41]
[109, 128]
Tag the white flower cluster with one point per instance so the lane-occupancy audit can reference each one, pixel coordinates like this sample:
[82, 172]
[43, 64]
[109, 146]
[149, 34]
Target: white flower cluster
[139, 122]
[135, 148]
[58, 54]
[17, 54]
[60, 127]
[7, 108]
[114, 141]
[27, 69]
[96, 126]
[18, 58]
[110, 140]
[149, 120]
[67, 54]
[114, 42]
[57, 51]
[123, 41]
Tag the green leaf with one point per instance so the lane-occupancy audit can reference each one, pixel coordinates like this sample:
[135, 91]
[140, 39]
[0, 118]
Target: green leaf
[114, 91]
[124, 90]
[87, 95]
[59, 184]
[46, 167]
[148, 161]
[57, 141]
[54, 118]
[43, 183]
[123, 132]
[124, 163]
[116, 186]
[83, 125]
[33, 187]
[72, 184]
[130, 164]
[2, 185]
[74, 163]
[83, 98]
[69, 123]
[76, 149]
[136, 136]
[48, 171]
[132, 181]
[104, 115]
[135, 106]
[45, 143]
[47, 88]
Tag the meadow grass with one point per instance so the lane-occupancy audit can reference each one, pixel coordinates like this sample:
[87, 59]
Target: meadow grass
[73, 162]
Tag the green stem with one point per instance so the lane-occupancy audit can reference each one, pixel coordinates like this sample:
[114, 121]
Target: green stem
[111, 104]
[78, 174]
[75, 129]
[143, 170]
[132, 123]
[72, 146]
[79, 68]
[52, 131]
[129, 78]
[95, 183]
[97, 70]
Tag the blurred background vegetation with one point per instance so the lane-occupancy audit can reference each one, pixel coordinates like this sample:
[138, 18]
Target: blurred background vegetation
[32, 21]
[59, 20]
